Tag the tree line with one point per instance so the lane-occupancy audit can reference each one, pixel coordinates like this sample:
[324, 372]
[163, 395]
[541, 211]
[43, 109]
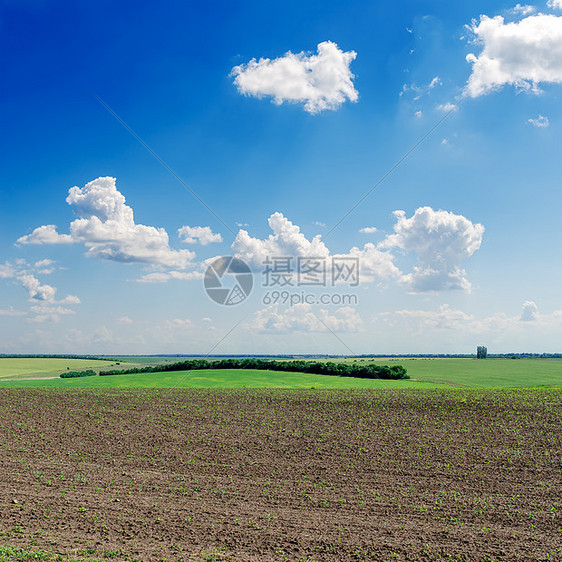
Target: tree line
[395, 372]
[75, 374]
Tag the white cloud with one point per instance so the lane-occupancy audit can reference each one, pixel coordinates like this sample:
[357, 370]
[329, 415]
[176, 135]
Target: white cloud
[46, 312]
[198, 235]
[7, 270]
[523, 54]
[107, 228]
[529, 312]
[445, 318]
[322, 81]
[165, 276]
[124, 320]
[12, 312]
[522, 9]
[441, 241]
[420, 91]
[541, 121]
[368, 230]
[318, 223]
[418, 114]
[302, 318]
[447, 107]
[556, 4]
[179, 324]
[26, 275]
[288, 241]
[46, 234]
[35, 290]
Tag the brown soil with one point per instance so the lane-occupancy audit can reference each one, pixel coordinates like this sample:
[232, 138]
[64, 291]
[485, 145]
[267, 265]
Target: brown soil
[282, 475]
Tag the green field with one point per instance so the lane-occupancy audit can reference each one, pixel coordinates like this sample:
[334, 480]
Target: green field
[220, 378]
[484, 373]
[35, 368]
[424, 373]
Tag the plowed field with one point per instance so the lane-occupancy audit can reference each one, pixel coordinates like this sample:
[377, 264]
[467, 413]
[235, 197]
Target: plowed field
[282, 475]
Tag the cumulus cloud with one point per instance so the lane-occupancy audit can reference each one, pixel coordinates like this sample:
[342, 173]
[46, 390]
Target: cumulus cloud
[198, 235]
[523, 54]
[321, 81]
[541, 122]
[302, 318]
[556, 4]
[35, 290]
[46, 234]
[287, 240]
[107, 228]
[529, 312]
[523, 9]
[45, 306]
[368, 230]
[441, 240]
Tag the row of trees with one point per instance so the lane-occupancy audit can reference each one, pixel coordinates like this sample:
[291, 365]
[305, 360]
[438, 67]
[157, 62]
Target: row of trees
[75, 374]
[396, 372]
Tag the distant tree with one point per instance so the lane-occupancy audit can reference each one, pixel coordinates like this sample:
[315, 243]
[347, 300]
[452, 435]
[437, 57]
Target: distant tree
[481, 352]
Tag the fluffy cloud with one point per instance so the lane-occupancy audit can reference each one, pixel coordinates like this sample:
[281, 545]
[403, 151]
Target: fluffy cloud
[441, 240]
[529, 312]
[541, 121]
[322, 81]
[107, 228]
[35, 290]
[523, 9]
[301, 318]
[288, 241]
[45, 306]
[198, 235]
[556, 4]
[522, 54]
[46, 234]
[368, 230]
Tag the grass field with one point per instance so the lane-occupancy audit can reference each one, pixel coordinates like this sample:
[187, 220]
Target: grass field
[25, 368]
[424, 373]
[221, 378]
[488, 373]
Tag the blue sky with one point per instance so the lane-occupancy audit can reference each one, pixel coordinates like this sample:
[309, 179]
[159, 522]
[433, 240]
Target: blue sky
[296, 140]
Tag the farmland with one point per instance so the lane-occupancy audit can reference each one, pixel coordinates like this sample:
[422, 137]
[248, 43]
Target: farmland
[269, 474]
[35, 368]
[424, 373]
